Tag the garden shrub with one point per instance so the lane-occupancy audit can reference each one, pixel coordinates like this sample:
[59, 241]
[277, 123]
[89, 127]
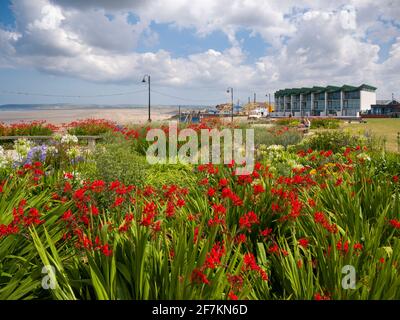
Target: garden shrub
[288, 122]
[386, 163]
[166, 174]
[270, 137]
[118, 161]
[337, 140]
[325, 123]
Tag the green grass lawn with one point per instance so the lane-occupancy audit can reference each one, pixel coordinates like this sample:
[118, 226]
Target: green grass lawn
[387, 128]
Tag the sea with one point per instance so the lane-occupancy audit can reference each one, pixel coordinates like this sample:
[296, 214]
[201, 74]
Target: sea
[67, 106]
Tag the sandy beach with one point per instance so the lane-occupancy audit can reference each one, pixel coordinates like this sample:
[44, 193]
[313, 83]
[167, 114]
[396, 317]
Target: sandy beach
[119, 115]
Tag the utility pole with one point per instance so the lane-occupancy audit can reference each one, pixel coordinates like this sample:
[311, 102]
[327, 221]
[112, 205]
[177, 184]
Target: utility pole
[254, 97]
[179, 114]
[148, 81]
[230, 89]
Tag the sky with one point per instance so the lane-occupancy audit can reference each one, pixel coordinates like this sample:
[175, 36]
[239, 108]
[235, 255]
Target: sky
[97, 51]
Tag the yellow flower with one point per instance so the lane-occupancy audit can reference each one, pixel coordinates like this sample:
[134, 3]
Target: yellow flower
[313, 171]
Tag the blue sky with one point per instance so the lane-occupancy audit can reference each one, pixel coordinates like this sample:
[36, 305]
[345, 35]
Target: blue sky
[194, 49]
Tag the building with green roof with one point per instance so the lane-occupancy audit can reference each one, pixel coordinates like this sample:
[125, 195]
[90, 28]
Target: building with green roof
[325, 101]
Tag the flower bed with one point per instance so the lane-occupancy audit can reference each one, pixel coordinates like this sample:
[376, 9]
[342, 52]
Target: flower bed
[34, 128]
[91, 127]
[285, 231]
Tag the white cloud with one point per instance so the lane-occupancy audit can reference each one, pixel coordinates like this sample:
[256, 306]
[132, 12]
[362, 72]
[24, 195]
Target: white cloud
[311, 42]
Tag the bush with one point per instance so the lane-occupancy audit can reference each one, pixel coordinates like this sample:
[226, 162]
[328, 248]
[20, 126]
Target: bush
[166, 174]
[337, 140]
[118, 161]
[284, 137]
[288, 122]
[386, 163]
[325, 123]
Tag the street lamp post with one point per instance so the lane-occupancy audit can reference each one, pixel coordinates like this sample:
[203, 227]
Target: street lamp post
[269, 100]
[230, 89]
[148, 81]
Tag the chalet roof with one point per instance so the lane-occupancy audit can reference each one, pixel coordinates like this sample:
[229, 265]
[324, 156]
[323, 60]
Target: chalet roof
[316, 89]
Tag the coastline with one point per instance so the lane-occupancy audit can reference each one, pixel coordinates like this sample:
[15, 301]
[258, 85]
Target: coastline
[60, 116]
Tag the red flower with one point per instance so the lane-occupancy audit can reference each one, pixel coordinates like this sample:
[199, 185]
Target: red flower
[219, 208]
[223, 182]
[303, 242]
[118, 201]
[80, 194]
[180, 203]
[232, 296]
[226, 193]
[250, 262]
[358, 247]
[395, 179]
[395, 223]
[275, 207]
[95, 210]
[67, 216]
[343, 247]
[257, 189]
[318, 297]
[98, 186]
[106, 250]
[319, 217]
[68, 175]
[266, 232]
[338, 182]
[273, 249]
[210, 192]
[248, 220]
[299, 263]
[198, 277]
[240, 238]
[67, 187]
[213, 258]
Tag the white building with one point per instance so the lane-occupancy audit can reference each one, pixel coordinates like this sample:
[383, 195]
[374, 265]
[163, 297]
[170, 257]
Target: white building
[325, 101]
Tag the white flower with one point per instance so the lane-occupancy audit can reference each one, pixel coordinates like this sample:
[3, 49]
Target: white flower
[69, 138]
[52, 150]
[364, 157]
[22, 146]
[276, 147]
[297, 166]
[73, 152]
[3, 158]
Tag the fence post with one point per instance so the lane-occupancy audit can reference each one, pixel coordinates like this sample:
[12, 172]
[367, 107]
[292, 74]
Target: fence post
[91, 144]
[398, 141]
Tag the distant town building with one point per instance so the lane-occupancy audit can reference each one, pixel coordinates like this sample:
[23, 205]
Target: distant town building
[248, 107]
[389, 108]
[226, 108]
[325, 101]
